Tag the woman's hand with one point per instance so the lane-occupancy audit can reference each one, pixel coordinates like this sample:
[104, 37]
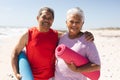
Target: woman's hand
[72, 66]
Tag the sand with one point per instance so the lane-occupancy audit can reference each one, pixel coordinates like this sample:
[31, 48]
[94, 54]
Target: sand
[107, 43]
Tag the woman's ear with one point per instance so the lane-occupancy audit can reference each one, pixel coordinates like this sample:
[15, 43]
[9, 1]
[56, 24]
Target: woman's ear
[66, 23]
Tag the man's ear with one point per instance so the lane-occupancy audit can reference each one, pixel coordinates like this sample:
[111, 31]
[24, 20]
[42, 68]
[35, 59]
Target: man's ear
[66, 21]
[37, 17]
[82, 23]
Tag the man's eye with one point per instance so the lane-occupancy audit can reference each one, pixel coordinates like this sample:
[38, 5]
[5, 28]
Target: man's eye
[71, 22]
[49, 18]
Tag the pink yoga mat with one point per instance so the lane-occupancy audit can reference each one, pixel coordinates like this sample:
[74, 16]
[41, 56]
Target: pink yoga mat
[69, 55]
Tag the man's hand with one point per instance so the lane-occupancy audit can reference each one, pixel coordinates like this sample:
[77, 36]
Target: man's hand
[18, 76]
[89, 36]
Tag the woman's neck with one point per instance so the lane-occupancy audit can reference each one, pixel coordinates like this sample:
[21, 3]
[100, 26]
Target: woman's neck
[75, 36]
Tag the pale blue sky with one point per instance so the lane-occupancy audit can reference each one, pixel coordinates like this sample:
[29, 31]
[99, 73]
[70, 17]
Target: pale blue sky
[98, 13]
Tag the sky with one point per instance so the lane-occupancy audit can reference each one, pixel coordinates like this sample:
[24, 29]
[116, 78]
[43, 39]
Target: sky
[98, 13]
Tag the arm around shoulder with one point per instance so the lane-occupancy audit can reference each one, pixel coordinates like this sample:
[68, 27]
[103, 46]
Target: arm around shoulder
[60, 33]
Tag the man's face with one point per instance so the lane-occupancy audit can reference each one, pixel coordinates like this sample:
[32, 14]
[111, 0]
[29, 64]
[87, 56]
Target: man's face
[45, 20]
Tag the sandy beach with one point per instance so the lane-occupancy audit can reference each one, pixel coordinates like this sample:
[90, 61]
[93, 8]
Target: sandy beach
[107, 43]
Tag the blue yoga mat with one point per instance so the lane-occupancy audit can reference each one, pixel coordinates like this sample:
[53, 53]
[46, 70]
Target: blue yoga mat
[24, 67]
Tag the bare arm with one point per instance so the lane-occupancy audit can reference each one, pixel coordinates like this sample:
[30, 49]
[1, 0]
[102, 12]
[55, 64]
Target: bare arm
[14, 57]
[88, 35]
[60, 33]
[85, 68]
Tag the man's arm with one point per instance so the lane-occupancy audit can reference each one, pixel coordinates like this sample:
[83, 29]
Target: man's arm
[14, 57]
[88, 35]
[60, 33]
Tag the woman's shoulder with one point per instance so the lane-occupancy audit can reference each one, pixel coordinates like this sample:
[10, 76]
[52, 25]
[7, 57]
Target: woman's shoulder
[84, 40]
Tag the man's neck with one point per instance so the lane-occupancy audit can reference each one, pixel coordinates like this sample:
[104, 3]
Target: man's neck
[43, 29]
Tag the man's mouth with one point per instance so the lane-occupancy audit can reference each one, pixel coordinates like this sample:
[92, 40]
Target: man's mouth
[45, 24]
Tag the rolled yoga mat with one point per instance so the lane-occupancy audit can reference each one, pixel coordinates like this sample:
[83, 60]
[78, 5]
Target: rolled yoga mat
[68, 55]
[24, 67]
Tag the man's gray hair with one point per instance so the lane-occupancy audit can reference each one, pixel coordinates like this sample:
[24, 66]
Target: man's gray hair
[77, 11]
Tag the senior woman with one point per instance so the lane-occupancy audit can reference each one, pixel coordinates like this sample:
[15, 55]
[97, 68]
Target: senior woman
[75, 39]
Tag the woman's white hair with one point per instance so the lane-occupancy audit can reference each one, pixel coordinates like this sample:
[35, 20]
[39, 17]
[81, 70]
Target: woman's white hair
[77, 11]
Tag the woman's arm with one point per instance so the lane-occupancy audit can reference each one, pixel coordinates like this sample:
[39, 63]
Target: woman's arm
[93, 57]
[89, 67]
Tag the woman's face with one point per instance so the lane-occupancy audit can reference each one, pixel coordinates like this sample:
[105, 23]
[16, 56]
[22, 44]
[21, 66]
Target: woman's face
[45, 20]
[74, 23]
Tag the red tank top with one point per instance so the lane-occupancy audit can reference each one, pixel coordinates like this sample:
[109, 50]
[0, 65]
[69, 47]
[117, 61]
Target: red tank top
[41, 53]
